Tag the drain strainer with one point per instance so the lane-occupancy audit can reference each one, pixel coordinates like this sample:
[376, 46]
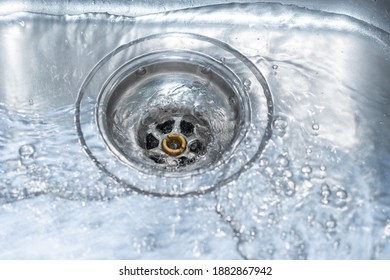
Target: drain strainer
[174, 114]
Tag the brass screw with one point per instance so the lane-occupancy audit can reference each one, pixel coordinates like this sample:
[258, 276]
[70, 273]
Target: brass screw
[174, 144]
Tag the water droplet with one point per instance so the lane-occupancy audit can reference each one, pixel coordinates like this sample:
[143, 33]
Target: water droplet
[280, 125]
[282, 161]
[27, 151]
[206, 69]
[269, 170]
[263, 162]
[341, 194]
[310, 219]
[271, 219]
[289, 188]
[275, 66]
[219, 208]
[325, 193]
[315, 126]
[387, 230]
[247, 84]
[306, 169]
[287, 173]
[325, 190]
[141, 71]
[330, 224]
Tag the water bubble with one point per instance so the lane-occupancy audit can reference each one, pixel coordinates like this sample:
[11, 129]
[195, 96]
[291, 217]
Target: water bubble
[325, 190]
[271, 219]
[264, 161]
[282, 161]
[309, 150]
[387, 230]
[341, 194]
[330, 224]
[269, 170]
[325, 193]
[289, 188]
[287, 173]
[219, 208]
[322, 167]
[223, 60]
[336, 244]
[310, 219]
[141, 71]
[31, 101]
[275, 66]
[306, 169]
[280, 125]
[315, 126]
[27, 151]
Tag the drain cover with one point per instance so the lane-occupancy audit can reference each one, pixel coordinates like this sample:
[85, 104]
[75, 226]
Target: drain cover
[174, 114]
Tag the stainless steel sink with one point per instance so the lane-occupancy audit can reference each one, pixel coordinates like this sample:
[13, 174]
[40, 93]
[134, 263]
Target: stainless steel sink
[195, 129]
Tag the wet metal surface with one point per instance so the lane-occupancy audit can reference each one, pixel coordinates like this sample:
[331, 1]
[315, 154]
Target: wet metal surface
[302, 167]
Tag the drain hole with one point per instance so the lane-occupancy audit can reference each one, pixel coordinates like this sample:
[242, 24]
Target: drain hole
[174, 84]
[196, 147]
[151, 142]
[166, 127]
[157, 159]
[186, 128]
[179, 121]
[183, 161]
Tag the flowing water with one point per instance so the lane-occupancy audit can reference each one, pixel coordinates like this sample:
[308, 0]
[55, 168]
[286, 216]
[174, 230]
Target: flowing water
[318, 190]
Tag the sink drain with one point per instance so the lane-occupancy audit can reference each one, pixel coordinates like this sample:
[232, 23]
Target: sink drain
[174, 114]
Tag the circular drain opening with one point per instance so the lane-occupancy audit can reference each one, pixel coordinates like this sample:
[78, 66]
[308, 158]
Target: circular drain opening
[174, 114]
[149, 118]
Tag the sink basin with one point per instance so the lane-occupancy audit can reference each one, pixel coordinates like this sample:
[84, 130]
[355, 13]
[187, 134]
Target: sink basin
[195, 130]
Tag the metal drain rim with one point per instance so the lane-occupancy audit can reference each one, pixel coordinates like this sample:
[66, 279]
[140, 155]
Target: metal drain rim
[178, 55]
[158, 184]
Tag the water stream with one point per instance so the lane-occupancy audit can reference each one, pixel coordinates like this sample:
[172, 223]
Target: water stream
[319, 190]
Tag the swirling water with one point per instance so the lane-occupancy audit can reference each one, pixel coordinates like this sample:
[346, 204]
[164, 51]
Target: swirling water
[320, 189]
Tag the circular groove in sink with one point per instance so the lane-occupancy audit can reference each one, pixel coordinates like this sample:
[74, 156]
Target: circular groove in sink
[174, 114]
